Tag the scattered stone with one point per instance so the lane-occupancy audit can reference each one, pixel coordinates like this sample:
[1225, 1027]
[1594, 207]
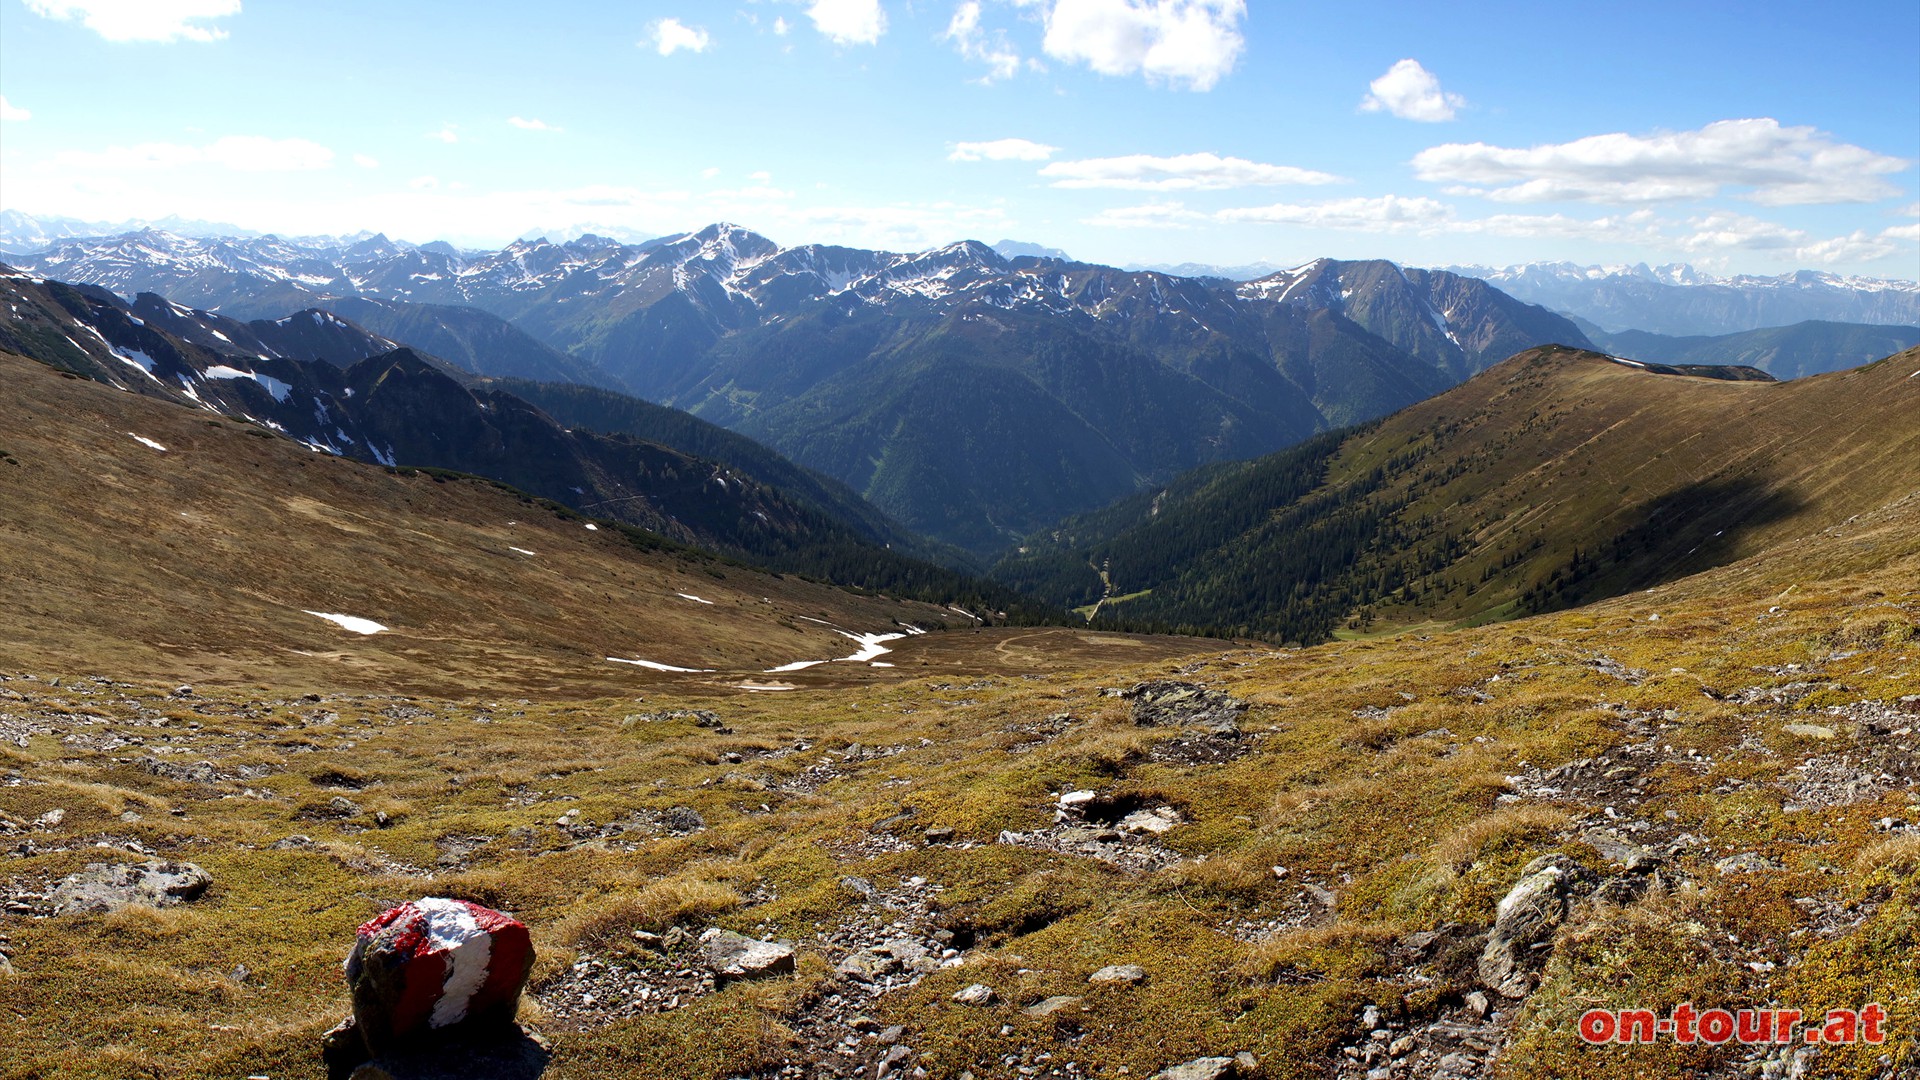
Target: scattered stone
[1809, 731]
[868, 965]
[1526, 918]
[939, 834]
[1478, 1003]
[1049, 1006]
[1130, 974]
[734, 956]
[1206, 1068]
[51, 818]
[297, 840]
[681, 820]
[110, 886]
[1152, 822]
[432, 979]
[1635, 858]
[1747, 862]
[1166, 703]
[977, 994]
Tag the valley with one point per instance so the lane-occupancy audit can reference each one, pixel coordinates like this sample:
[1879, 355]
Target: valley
[340, 623]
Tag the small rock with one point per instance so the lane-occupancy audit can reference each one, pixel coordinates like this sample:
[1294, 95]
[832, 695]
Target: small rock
[1050, 1006]
[1747, 862]
[1477, 1002]
[1402, 1046]
[1370, 1018]
[1130, 974]
[51, 818]
[977, 994]
[1152, 822]
[939, 834]
[733, 956]
[1809, 731]
[1206, 1068]
[868, 966]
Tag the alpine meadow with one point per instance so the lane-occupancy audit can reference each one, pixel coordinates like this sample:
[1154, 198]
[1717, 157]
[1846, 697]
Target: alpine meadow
[960, 540]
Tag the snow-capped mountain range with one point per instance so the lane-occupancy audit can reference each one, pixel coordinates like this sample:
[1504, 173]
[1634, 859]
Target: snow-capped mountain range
[1681, 299]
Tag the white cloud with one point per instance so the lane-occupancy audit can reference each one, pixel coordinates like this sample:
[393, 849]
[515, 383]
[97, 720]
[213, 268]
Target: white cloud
[1859, 246]
[1910, 210]
[1171, 215]
[448, 133]
[1902, 232]
[762, 177]
[849, 22]
[1179, 42]
[1638, 227]
[1758, 159]
[12, 112]
[525, 124]
[1183, 172]
[1727, 231]
[672, 35]
[1001, 150]
[1410, 92]
[366, 161]
[424, 183]
[781, 26]
[1387, 213]
[973, 43]
[142, 20]
[240, 153]
[710, 172]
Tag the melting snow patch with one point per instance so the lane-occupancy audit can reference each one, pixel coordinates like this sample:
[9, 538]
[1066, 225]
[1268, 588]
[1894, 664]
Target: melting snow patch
[349, 622]
[651, 666]
[764, 687]
[143, 440]
[1624, 360]
[797, 665]
[695, 599]
[591, 527]
[522, 551]
[278, 388]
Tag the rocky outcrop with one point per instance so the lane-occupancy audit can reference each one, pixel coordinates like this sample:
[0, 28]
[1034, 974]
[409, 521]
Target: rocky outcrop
[111, 886]
[1167, 703]
[1524, 924]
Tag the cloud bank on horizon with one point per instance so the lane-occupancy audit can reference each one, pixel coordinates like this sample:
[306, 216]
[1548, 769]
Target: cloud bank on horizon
[1120, 130]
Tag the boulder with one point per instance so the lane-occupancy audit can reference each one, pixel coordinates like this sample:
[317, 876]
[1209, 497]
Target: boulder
[1166, 703]
[1524, 924]
[735, 956]
[111, 886]
[432, 973]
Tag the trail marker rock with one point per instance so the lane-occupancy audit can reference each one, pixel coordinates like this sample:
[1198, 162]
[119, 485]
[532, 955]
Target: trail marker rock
[431, 974]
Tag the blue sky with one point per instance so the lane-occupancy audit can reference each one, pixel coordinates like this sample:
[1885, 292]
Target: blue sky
[1756, 137]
